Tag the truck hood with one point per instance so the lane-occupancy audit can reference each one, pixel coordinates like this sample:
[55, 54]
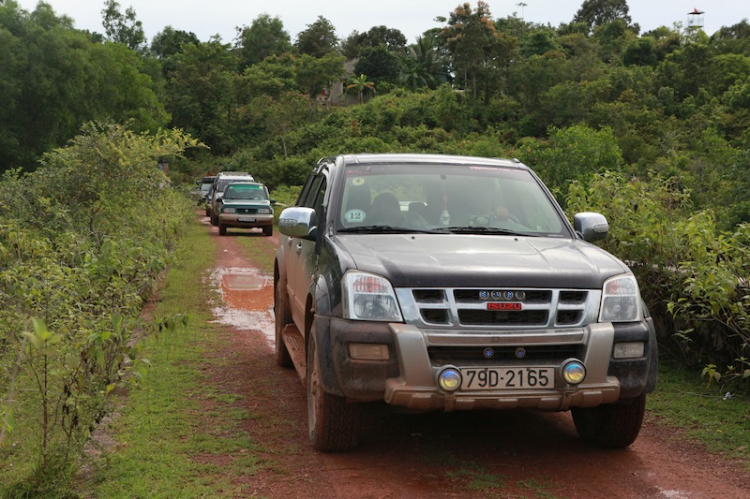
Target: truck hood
[426, 260]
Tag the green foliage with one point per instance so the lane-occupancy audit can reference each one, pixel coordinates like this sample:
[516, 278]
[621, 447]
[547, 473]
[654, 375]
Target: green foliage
[82, 242]
[265, 37]
[573, 153]
[123, 28]
[378, 63]
[392, 39]
[687, 267]
[169, 41]
[313, 74]
[318, 39]
[601, 12]
[200, 93]
[713, 306]
[55, 78]
[359, 84]
[473, 41]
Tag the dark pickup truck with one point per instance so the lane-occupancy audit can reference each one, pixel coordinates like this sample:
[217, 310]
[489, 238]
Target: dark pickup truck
[433, 282]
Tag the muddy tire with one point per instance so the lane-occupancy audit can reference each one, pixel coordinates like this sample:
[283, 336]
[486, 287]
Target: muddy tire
[610, 426]
[268, 230]
[333, 424]
[222, 230]
[283, 317]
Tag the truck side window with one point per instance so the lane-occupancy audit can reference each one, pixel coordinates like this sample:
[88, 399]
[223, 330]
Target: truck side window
[306, 189]
[312, 194]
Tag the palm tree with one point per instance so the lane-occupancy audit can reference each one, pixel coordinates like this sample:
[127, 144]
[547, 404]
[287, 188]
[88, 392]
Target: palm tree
[360, 83]
[424, 66]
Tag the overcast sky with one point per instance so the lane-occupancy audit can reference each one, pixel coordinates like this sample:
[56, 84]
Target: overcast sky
[206, 18]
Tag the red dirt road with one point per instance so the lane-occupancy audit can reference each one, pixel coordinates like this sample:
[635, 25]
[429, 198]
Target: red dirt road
[513, 454]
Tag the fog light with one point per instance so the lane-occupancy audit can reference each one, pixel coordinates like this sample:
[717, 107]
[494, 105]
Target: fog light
[449, 379]
[630, 350]
[574, 372]
[368, 351]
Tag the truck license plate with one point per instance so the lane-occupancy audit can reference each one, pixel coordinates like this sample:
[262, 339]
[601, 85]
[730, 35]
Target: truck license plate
[508, 378]
[246, 219]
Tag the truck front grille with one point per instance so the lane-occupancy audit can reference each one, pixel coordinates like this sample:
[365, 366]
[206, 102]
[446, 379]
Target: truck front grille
[474, 317]
[512, 308]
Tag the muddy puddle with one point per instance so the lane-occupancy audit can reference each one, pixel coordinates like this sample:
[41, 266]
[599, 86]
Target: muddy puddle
[247, 297]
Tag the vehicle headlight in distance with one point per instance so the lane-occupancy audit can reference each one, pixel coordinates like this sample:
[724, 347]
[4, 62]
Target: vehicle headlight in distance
[227, 210]
[621, 300]
[264, 211]
[369, 297]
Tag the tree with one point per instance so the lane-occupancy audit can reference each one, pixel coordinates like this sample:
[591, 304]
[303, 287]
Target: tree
[283, 116]
[687, 70]
[169, 42]
[123, 28]
[393, 39]
[272, 76]
[313, 74]
[54, 78]
[424, 64]
[200, 93]
[360, 84]
[575, 152]
[538, 42]
[471, 37]
[612, 38]
[265, 37]
[640, 52]
[595, 13]
[318, 39]
[379, 64]
[735, 38]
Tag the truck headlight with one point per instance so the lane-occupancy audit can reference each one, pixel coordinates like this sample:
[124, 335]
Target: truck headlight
[228, 210]
[369, 297]
[621, 300]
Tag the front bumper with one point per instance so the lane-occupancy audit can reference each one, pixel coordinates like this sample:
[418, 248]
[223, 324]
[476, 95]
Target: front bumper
[409, 377]
[244, 222]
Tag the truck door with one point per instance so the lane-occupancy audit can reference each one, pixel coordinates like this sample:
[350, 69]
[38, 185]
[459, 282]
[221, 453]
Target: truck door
[300, 253]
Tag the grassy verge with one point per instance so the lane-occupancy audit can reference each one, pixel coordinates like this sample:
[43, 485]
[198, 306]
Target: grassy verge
[159, 431]
[703, 414]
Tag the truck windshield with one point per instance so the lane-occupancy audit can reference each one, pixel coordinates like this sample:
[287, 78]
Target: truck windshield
[447, 199]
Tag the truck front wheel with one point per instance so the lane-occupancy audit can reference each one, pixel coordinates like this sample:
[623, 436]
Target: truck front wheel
[333, 424]
[611, 426]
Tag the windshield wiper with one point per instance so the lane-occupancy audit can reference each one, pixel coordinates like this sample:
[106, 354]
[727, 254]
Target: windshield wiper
[488, 231]
[387, 229]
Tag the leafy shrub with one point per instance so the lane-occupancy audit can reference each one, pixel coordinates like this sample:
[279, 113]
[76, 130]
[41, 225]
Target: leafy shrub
[572, 153]
[82, 244]
[693, 276]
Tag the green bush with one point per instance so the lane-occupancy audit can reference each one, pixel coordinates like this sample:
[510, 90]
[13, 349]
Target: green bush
[81, 248]
[572, 153]
[692, 274]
